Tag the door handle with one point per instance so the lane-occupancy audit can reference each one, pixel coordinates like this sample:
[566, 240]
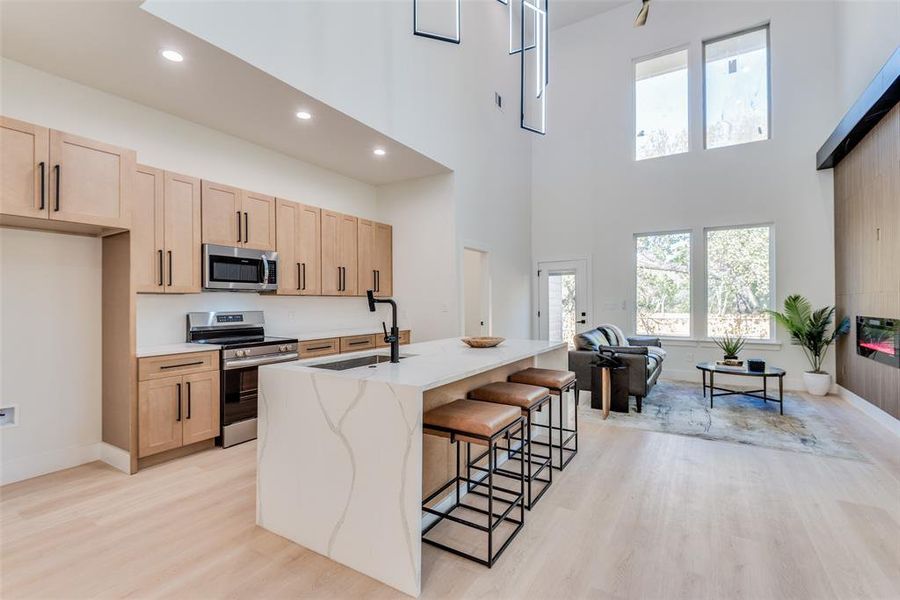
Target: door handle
[160, 266]
[299, 279]
[189, 399]
[239, 226]
[246, 227]
[43, 185]
[304, 276]
[178, 404]
[170, 268]
[56, 206]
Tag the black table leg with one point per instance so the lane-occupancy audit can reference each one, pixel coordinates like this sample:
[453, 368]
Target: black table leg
[781, 393]
[712, 387]
[765, 387]
[703, 374]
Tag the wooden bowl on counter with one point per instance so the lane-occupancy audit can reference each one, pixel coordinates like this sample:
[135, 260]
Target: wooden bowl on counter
[482, 342]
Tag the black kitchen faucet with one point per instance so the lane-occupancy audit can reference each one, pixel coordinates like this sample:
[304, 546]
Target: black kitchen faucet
[392, 338]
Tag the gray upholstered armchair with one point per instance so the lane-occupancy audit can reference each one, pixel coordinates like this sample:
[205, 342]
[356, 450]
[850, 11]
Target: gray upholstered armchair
[642, 355]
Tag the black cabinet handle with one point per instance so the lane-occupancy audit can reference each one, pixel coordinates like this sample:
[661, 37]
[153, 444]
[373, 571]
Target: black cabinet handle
[311, 348]
[298, 277]
[160, 266]
[56, 207]
[43, 184]
[246, 227]
[178, 402]
[239, 226]
[178, 366]
[340, 279]
[358, 342]
[374, 280]
[189, 399]
[170, 268]
[304, 277]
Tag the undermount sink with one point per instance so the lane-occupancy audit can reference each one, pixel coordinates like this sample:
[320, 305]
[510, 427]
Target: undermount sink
[354, 363]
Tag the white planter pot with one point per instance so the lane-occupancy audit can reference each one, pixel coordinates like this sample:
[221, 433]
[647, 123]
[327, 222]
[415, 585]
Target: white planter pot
[817, 384]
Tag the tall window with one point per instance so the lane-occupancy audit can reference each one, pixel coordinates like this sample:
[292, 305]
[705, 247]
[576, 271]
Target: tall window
[661, 105]
[736, 88]
[738, 281]
[664, 284]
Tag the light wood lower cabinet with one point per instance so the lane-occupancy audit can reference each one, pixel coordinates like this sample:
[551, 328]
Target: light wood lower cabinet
[177, 410]
[57, 176]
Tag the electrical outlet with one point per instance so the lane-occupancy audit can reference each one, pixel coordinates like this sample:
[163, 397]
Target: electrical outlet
[7, 416]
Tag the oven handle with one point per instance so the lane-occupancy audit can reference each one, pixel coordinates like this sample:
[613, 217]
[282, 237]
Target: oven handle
[253, 362]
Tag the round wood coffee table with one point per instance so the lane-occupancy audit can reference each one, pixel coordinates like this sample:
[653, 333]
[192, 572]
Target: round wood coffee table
[713, 368]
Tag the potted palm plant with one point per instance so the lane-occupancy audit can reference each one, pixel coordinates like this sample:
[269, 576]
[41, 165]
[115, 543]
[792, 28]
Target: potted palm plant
[730, 346]
[809, 330]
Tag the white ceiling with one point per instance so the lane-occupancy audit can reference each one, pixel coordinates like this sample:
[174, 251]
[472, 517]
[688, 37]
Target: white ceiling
[566, 12]
[114, 46]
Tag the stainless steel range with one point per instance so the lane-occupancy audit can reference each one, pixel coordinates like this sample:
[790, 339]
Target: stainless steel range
[245, 346]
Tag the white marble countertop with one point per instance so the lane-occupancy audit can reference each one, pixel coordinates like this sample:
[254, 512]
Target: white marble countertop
[183, 348]
[429, 364]
[305, 336]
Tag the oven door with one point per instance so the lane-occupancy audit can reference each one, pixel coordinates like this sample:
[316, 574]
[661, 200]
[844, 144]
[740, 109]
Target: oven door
[239, 269]
[239, 395]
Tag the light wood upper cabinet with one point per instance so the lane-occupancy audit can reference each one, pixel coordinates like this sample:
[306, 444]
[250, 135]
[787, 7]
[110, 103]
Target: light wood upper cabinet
[166, 232]
[90, 182]
[200, 407]
[259, 221]
[49, 174]
[147, 232]
[348, 249]
[182, 233]
[24, 168]
[375, 258]
[298, 243]
[221, 214]
[159, 415]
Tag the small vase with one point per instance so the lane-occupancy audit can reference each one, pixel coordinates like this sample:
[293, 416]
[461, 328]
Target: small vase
[817, 384]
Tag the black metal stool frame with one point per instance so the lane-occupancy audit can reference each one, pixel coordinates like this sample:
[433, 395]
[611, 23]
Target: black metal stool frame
[562, 429]
[524, 440]
[519, 497]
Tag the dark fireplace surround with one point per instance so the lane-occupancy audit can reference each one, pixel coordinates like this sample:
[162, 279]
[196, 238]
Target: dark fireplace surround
[879, 339]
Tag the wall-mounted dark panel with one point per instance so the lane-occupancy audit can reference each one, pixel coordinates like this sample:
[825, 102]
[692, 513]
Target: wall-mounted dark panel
[876, 101]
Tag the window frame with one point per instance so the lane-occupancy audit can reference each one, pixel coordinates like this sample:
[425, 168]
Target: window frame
[634, 61]
[704, 322]
[691, 275]
[703, 44]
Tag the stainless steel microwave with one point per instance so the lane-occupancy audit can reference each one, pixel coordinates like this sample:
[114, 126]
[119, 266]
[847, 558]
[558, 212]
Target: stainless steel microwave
[239, 269]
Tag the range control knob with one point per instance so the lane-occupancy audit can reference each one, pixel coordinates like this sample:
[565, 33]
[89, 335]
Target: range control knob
[240, 353]
[283, 348]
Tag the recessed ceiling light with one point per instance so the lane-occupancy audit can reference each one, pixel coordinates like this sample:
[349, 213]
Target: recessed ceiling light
[379, 152]
[172, 55]
[303, 115]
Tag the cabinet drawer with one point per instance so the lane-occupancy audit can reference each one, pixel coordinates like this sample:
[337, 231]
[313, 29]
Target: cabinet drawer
[380, 343]
[357, 342]
[313, 348]
[155, 367]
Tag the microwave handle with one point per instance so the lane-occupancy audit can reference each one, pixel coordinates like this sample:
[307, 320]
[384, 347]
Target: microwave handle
[265, 270]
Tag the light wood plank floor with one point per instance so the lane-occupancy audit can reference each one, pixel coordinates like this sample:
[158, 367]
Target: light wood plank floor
[636, 515]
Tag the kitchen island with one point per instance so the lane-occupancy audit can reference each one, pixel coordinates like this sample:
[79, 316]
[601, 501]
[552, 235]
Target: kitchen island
[342, 462]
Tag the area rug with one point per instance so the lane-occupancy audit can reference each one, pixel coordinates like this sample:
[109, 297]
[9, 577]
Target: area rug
[676, 407]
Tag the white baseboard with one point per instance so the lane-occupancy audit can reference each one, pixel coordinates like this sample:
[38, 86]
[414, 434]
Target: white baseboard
[870, 409]
[26, 467]
[115, 457]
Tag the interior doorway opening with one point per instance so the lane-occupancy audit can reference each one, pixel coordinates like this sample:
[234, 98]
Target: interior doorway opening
[476, 293]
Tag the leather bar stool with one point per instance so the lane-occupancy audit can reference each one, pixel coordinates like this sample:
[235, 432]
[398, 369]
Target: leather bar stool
[485, 424]
[558, 382]
[530, 400]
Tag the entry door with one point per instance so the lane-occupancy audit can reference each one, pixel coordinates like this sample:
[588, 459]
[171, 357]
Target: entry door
[563, 303]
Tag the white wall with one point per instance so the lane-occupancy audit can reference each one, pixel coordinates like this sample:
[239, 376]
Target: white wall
[590, 197]
[49, 351]
[361, 58]
[866, 34]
